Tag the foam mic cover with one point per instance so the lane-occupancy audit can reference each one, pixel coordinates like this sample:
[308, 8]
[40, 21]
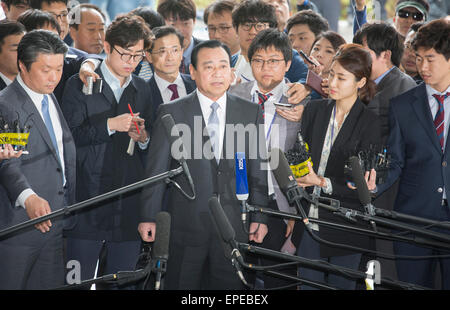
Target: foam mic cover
[162, 236]
[281, 170]
[360, 182]
[223, 224]
[241, 177]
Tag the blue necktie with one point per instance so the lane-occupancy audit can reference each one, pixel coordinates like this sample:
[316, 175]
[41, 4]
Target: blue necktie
[213, 130]
[48, 123]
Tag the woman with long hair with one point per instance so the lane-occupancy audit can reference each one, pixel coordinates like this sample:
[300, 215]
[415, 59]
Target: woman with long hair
[334, 129]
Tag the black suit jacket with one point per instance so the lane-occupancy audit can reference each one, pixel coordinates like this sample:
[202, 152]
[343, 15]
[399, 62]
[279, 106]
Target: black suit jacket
[191, 219]
[360, 129]
[156, 93]
[102, 162]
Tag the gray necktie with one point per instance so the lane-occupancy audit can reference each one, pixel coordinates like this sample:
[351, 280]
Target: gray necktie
[214, 130]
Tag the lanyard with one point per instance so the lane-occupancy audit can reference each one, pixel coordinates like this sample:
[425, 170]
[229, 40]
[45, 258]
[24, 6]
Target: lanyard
[273, 119]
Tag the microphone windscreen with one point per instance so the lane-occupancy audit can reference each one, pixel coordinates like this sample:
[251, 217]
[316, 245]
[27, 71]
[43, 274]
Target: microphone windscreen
[360, 182]
[281, 170]
[226, 231]
[241, 177]
[169, 124]
[162, 236]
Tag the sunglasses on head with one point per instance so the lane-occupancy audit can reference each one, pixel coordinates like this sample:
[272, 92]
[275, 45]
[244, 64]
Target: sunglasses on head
[417, 16]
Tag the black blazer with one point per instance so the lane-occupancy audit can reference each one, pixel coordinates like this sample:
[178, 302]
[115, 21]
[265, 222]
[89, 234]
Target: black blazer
[102, 162]
[191, 219]
[360, 129]
[156, 94]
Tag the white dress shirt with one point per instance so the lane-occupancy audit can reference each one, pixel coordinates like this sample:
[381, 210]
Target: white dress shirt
[243, 70]
[166, 93]
[272, 137]
[205, 105]
[36, 98]
[434, 107]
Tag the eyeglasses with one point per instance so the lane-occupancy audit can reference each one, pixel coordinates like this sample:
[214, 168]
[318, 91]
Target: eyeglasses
[271, 63]
[417, 16]
[61, 16]
[220, 29]
[126, 57]
[258, 26]
[165, 51]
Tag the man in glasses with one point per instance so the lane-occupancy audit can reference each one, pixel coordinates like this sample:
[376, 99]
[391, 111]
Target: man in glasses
[105, 131]
[249, 18]
[217, 17]
[408, 12]
[13, 8]
[58, 8]
[181, 15]
[166, 53]
[270, 57]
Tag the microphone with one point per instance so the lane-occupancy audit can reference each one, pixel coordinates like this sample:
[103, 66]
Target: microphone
[174, 135]
[161, 246]
[242, 184]
[361, 185]
[286, 180]
[228, 235]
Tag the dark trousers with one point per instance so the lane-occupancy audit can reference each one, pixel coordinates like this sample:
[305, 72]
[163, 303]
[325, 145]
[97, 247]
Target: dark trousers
[33, 266]
[116, 256]
[202, 267]
[310, 249]
[422, 272]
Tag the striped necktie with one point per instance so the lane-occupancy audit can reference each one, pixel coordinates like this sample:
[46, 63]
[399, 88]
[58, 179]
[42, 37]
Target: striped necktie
[262, 99]
[439, 119]
[146, 71]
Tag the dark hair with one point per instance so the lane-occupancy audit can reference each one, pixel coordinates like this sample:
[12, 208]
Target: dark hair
[76, 11]
[434, 35]
[151, 17]
[9, 28]
[161, 32]
[271, 38]
[218, 7]
[37, 4]
[181, 9]
[208, 44]
[254, 11]
[34, 19]
[357, 60]
[38, 42]
[316, 23]
[15, 2]
[424, 3]
[128, 30]
[334, 38]
[381, 37]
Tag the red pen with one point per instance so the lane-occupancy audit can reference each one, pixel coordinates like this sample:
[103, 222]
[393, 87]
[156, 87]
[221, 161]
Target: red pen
[135, 124]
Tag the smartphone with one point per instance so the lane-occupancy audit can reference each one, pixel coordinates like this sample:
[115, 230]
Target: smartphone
[283, 105]
[302, 53]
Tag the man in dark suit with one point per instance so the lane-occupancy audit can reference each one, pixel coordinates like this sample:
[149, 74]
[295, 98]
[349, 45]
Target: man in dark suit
[44, 180]
[168, 83]
[10, 35]
[181, 14]
[386, 48]
[418, 144]
[196, 254]
[102, 127]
